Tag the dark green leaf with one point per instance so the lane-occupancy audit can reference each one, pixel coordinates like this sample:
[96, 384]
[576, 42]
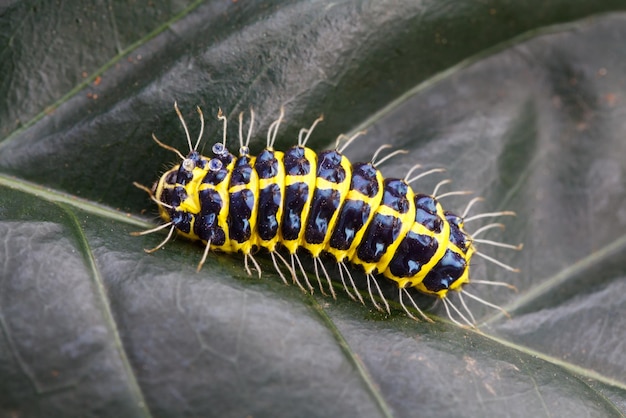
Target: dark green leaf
[522, 102]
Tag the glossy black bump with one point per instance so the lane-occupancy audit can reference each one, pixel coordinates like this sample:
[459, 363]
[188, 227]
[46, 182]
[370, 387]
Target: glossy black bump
[323, 206]
[241, 171]
[239, 213]
[181, 220]
[206, 226]
[296, 196]
[266, 164]
[448, 270]
[198, 160]
[166, 197]
[171, 177]
[426, 213]
[174, 197]
[414, 251]
[215, 177]
[457, 236]
[381, 233]
[329, 167]
[353, 216]
[394, 195]
[226, 158]
[270, 200]
[364, 179]
[295, 162]
[185, 174]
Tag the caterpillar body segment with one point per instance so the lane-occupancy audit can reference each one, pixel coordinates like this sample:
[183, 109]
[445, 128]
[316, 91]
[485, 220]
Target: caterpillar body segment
[327, 205]
[362, 202]
[422, 247]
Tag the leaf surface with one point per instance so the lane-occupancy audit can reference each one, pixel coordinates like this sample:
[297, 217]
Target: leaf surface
[521, 102]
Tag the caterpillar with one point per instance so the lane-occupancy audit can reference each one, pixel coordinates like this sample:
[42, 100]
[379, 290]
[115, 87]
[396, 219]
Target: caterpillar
[283, 201]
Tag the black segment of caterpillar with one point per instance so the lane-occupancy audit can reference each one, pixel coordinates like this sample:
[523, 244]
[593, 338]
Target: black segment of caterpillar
[327, 205]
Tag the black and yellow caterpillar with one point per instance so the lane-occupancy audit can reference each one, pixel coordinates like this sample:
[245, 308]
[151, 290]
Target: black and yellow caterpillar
[325, 204]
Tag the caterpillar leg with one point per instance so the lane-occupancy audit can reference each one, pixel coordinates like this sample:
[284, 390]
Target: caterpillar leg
[408, 179]
[438, 186]
[272, 131]
[316, 261]
[484, 302]
[447, 303]
[182, 120]
[342, 268]
[256, 265]
[244, 145]
[274, 254]
[470, 320]
[517, 247]
[158, 228]
[492, 283]
[403, 290]
[370, 279]
[349, 140]
[207, 248]
[302, 139]
[378, 151]
[294, 256]
[469, 313]
[498, 262]
[454, 193]
[486, 228]
[462, 291]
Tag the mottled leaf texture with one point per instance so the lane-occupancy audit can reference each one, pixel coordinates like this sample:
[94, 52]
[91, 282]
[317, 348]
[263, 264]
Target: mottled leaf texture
[523, 102]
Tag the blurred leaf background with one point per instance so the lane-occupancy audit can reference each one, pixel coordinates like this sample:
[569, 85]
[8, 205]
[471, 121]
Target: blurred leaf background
[522, 102]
